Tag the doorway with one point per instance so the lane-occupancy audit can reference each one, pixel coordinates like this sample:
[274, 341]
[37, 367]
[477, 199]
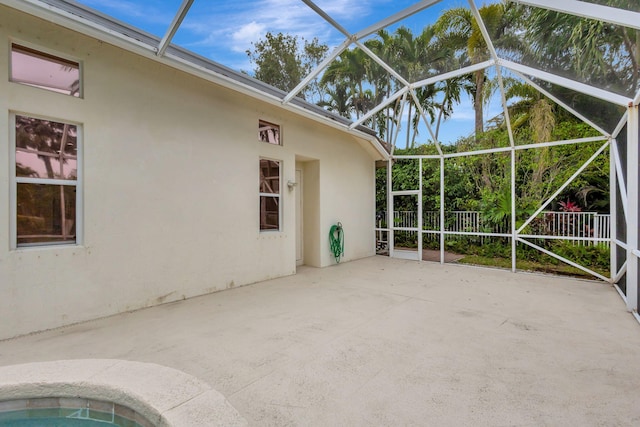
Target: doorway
[299, 218]
[406, 225]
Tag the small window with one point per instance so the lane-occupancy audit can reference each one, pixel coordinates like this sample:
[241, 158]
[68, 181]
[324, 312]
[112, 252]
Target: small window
[38, 69]
[269, 195]
[268, 132]
[46, 180]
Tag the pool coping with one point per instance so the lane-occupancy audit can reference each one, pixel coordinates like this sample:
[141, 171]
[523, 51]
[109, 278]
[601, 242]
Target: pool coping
[164, 396]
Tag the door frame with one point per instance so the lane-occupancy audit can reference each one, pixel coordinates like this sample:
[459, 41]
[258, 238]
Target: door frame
[403, 253]
[299, 201]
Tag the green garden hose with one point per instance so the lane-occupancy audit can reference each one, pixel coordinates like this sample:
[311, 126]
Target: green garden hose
[336, 241]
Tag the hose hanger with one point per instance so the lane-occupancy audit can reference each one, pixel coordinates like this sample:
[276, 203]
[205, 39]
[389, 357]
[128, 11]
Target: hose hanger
[336, 241]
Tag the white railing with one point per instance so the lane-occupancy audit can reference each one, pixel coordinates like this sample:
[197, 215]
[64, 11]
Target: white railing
[408, 219]
[577, 224]
[584, 228]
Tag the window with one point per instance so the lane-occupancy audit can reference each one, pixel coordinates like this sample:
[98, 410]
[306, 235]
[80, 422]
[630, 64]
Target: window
[34, 68]
[46, 180]
[269, 195]
[268, 132]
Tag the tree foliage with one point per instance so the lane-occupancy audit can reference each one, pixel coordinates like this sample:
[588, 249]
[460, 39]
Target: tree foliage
[597, 53]
[590, 51]
[283, 60]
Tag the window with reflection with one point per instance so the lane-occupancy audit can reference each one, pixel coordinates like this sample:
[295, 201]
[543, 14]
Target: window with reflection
[46, 179]
[39, 69]
[269, 133]
[269, 195]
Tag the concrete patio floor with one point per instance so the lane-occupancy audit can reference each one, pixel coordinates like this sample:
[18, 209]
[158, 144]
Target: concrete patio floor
[387, 342]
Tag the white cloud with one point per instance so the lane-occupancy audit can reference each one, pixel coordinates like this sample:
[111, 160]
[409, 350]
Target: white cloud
[224, 30]
[246, 34]
[462, 112]
[232, 26]
[134, 10]
[346, 9]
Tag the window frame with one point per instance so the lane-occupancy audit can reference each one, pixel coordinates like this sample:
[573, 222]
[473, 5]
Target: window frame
[46, 54]
[15, 180]
[277, 196]
[270, 124]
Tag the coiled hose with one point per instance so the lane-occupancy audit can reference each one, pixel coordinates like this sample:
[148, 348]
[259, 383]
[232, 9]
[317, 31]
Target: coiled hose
[336, 241]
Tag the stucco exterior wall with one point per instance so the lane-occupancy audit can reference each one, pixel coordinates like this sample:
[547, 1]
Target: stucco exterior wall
[170, 187]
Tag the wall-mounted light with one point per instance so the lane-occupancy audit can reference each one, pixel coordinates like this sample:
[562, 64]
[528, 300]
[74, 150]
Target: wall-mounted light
[291, 184]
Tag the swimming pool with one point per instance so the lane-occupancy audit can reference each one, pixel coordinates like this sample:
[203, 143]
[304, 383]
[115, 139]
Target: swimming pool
[149, 394]
[67, 412]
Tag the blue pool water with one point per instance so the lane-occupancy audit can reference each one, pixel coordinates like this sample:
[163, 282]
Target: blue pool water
[63, 417]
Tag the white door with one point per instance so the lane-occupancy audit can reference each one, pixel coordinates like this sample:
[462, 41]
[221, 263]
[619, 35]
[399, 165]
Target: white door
[299, 238]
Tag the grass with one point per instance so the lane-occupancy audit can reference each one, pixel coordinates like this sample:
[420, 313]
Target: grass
[560, 269]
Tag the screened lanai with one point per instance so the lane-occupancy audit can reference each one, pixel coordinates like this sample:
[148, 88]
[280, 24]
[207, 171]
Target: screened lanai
[441, 85]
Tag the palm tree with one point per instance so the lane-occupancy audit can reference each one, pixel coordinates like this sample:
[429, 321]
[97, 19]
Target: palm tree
[356, 78]
[457, 29]
[339, 99]
[384, 46]
[596, 52]
[450, 90]
[350, 68]
[412, 57]
[531, 108]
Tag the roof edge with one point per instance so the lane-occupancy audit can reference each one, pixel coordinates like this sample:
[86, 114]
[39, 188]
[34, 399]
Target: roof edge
[89, 22]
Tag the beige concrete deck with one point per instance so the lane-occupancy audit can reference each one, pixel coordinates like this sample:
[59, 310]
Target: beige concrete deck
[387, 342]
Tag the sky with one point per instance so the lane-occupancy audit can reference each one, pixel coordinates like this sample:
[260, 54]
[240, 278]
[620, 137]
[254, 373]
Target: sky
[224, 30]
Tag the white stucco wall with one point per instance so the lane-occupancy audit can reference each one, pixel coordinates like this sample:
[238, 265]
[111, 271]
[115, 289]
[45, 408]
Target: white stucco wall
[170, 187]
